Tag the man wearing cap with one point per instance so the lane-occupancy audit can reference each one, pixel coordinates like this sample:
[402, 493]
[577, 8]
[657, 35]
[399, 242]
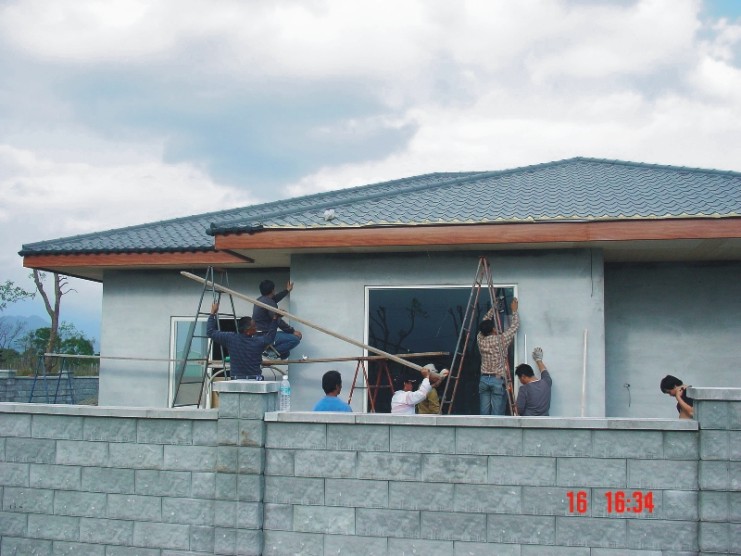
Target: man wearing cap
[406, 398]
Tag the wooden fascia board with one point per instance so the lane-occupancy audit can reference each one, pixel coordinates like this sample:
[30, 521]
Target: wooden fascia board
[473, 234]
[132, 260]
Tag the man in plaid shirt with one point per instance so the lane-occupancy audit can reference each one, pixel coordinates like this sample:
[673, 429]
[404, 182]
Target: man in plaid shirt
[493, 348]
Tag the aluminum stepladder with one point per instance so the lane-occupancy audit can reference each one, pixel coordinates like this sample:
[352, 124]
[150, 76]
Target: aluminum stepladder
[63, 384]
[194, 365]
[469, 323]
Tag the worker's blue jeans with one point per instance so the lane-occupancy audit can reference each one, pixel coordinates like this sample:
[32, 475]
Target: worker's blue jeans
[492, 398]
[284, 343]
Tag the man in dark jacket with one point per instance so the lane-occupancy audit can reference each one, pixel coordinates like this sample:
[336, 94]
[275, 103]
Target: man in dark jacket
[245, 346]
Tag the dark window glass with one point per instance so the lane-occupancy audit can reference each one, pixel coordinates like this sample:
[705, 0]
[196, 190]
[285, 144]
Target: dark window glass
[420, 320]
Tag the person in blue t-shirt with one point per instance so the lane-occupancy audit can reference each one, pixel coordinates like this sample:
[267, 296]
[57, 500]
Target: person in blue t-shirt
[332, 386]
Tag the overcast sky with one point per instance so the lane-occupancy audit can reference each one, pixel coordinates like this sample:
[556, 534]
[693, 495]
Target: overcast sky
[120, 112]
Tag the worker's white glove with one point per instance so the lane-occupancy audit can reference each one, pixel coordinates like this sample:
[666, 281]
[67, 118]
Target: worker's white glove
[538, 354]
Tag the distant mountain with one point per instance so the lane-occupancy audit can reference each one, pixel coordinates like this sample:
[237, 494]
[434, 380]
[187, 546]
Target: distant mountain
[89, 329]
[9, 323]
[32, 323]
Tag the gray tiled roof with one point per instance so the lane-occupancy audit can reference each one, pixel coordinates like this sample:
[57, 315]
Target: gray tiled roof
[575, 189]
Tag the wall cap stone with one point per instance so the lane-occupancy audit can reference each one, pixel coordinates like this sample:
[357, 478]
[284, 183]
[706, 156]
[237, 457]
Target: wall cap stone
[715, 394]
[247, 386]
[110, 411]
[481, 421]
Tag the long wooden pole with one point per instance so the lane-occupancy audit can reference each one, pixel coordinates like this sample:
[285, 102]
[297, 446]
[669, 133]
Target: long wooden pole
[302, 321]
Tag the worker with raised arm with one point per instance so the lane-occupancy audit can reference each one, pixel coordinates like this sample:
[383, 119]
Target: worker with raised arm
[406, 398]
[245, 346]
[288, 337]
[534, 396]
[494, 348]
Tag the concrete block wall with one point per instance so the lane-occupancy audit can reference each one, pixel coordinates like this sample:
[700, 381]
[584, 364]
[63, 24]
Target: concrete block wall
[95, 481]
[245, 480]
[17, 389]
[463, 485]
[718, 410]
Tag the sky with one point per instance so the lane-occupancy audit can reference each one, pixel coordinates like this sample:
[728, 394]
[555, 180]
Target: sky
[121, 112]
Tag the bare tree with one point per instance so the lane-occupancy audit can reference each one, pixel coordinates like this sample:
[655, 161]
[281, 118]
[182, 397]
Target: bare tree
[61, 287]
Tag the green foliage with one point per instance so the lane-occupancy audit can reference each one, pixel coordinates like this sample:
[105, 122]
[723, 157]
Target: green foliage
[69, 341]
[10, 293]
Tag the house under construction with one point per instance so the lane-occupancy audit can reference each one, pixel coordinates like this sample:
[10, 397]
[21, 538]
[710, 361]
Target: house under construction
[625, 272]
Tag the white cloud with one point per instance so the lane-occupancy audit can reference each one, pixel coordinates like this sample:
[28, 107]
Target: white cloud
[101, 85]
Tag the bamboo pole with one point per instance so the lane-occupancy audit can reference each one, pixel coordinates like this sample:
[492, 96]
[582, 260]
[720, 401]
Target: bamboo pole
[302, 321]
[428, 354]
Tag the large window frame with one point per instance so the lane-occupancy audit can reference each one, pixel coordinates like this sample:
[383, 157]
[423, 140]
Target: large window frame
[459, 295]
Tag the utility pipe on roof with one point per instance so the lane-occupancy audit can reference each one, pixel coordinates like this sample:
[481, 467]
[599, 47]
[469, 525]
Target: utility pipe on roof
[302, 321]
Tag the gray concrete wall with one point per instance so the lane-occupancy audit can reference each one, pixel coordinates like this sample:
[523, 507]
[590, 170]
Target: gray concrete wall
[561, 295]
[679, 319]
[246, 480]
[136, 322]
[21, 389]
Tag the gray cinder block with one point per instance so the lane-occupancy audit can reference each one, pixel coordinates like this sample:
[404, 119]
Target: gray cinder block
[412, 495]
[297, 490]
[556, 443]
[55, 527]
[504, 499]
[151, 482]
[29, 500]
[108, 479]
[371, 438]
[324, 519]
[589, 531]
[515, 529]
[388, 523]
[83, 453]
[109, 429]
[489, 441]
[657, 474]
[67, 427]
[454, 468]
[106, 531]
[189, 458]
[325, 464]
[358, 493]
[661, 534]
[164, 431]
[161, 535]
[30, 450]
[62, 477]
[134, 507]
[627, 444]
[531, 471]
[421, 440]
[136, 456]
[306, 436]
[591, 472]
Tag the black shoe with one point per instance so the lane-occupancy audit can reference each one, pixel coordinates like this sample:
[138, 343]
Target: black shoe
[284, 355]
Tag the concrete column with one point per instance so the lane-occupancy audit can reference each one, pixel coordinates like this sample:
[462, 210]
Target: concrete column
[718, 411]
[240, 482]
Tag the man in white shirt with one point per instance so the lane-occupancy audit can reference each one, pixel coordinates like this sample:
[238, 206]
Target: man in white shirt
[406, 397]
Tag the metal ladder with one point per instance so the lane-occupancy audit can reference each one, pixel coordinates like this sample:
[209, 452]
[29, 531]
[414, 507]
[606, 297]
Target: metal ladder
[192, 376]
[482, 278]
[63, 384]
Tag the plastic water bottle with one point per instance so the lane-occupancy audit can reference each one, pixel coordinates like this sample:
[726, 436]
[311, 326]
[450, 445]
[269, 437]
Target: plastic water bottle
[284, 395]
